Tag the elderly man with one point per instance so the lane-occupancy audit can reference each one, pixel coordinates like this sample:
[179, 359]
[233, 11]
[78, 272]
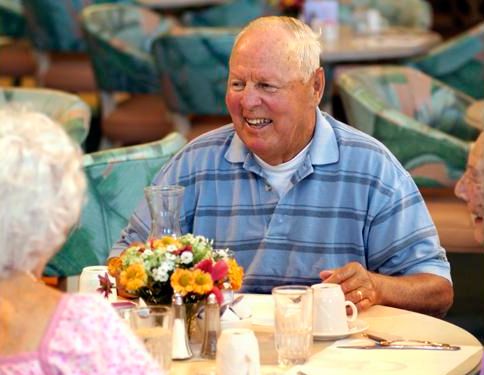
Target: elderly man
[298, 195]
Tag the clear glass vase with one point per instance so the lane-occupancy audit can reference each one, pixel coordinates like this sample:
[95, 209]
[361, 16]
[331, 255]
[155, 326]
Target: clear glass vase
[164, 203]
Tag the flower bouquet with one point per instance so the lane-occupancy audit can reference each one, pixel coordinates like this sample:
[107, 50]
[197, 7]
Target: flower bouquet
[188, 265]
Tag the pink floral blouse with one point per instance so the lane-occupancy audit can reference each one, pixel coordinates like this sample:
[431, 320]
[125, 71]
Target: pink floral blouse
[84, 336]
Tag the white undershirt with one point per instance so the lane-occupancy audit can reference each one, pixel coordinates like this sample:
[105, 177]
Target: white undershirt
[279, 176]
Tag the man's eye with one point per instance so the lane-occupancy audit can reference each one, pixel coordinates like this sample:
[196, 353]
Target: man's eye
[267, 87]
[236, 85]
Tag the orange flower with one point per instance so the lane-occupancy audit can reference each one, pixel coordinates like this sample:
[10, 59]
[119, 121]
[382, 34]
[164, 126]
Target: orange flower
[166, 241]
[114, 266]
[134, 277]
[203, 282]
[236, 274]
[182, 281]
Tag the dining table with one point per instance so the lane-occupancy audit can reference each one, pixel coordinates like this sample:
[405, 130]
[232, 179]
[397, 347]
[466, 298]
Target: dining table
[329, 357]
[392, 43]
[171, 5]
[474, 114]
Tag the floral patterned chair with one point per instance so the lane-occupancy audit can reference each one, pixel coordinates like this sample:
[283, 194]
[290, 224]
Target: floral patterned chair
[116, 179]
[193, 68]
[67, 109]
[54, 30]
[409, 13]
[16, 58]
[118, 39]
[459, 62]
[418, 118]
[235, 13]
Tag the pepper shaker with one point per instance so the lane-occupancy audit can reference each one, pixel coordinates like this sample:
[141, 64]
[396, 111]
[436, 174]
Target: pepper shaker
[212, 328]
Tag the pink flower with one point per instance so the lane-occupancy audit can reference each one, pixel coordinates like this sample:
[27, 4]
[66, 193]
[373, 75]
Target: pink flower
[218, 271]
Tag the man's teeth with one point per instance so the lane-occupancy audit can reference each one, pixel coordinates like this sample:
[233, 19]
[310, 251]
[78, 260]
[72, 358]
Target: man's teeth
[258, 121]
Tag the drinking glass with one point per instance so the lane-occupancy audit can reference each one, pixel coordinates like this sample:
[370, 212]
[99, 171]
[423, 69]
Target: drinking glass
[153, 325]
[293, 323]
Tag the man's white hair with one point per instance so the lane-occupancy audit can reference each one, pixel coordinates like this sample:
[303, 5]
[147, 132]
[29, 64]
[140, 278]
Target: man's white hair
[42, 187]
[304, 44]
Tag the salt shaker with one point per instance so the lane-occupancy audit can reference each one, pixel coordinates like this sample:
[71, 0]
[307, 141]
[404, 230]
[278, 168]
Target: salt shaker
[212, 328]
[180, 345]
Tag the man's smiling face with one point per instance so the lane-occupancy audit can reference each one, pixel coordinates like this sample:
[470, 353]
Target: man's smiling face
[272, 108]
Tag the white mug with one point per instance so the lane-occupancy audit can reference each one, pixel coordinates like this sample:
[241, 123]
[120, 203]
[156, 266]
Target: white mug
[89, 280]
[237, 352]
[329, 309]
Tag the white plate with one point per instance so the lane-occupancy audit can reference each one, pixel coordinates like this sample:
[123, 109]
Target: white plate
[357, 326]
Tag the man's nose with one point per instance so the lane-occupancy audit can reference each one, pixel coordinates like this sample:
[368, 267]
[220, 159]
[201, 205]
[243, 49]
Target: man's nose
[250, 97]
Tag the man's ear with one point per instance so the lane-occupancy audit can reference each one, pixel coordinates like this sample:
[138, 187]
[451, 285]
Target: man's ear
[318, 84]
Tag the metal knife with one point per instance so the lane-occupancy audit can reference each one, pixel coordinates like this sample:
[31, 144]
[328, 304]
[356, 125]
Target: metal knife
[403, 347]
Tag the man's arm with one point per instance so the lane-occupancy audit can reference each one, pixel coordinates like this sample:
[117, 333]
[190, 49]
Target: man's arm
[423, 292]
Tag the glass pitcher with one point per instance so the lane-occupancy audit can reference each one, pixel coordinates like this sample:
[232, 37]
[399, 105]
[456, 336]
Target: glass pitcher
[164, 203]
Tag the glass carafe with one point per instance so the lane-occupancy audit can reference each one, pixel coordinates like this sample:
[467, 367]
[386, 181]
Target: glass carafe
[164, 203]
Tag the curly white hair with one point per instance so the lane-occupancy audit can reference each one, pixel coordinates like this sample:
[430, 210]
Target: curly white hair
[42, 187]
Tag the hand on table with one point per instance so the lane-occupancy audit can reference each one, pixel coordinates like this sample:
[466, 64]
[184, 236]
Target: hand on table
[357, 284]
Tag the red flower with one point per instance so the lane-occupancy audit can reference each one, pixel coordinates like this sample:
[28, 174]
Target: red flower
[218, 271]
[106, 285]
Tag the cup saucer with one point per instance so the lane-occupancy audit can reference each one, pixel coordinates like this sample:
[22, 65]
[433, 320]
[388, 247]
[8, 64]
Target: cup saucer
[357, 326]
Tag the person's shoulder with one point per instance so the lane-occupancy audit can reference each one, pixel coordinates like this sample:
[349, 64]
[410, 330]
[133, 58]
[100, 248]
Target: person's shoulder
[207, 148]
[85, 303]
[212, 139]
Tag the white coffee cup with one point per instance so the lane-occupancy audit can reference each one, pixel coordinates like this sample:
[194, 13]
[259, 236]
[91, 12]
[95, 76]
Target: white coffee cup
[237, 352]
[329, 309]
[89, 280]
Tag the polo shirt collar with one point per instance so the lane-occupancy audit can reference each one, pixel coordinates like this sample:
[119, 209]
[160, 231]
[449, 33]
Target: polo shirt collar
[323, 149]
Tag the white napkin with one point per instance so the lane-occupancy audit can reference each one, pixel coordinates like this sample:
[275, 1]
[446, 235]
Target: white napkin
[237, 353]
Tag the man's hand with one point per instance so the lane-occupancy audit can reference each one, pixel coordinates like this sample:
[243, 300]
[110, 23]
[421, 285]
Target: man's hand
[356, 282]
[422, 292]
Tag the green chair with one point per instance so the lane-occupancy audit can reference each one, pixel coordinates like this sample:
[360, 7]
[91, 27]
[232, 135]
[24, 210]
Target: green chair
[67, 109]
[16, 57]
[54, 30]
[459, 62]
[12, 21]
[118, 39]
[409, 13]
[193, 68]
[418, 118]
[234, 13]
[116, 179]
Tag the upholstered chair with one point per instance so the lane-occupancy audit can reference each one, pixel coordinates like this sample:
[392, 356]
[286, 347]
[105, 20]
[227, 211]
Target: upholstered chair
[67, 109]
[234, 13]
[55, 32]
[459, 62]
[420, 119]
[119, 38]
[16, 57]
[193, 68]
[116, 179]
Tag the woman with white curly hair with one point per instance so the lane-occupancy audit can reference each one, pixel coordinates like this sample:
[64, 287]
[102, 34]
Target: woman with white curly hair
[44, 331]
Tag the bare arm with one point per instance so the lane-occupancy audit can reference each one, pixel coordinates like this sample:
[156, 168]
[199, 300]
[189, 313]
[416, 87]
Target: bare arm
[425, 293]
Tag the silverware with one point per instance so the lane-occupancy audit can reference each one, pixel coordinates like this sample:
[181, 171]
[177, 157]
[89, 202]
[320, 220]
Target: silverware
[380, 341]
[402, 346]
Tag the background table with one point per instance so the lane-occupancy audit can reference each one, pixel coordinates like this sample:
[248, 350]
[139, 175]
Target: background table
[327, 359]
[177, 4]
[475, 114]
[392, 43]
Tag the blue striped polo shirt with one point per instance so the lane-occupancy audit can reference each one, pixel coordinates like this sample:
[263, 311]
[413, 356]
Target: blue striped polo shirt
[350, 200]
